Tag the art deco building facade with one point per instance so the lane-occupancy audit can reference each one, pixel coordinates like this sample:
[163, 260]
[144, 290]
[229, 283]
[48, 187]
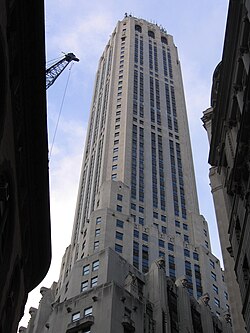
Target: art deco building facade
[137, 199]
[227, 122]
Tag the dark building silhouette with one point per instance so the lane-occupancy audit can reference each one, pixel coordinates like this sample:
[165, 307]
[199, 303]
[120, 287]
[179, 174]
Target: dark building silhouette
[25, 246]
[229, 155]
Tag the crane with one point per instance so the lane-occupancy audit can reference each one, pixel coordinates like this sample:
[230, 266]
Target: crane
[56, 69]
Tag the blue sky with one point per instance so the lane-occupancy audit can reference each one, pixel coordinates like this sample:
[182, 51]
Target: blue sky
[83, 27]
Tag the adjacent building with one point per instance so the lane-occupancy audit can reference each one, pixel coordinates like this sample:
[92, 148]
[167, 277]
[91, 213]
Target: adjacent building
[228, 124]
[137, 203]
[25, 250]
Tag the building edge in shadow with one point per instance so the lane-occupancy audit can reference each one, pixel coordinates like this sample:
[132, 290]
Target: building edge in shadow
[25, 237]
[227, 122]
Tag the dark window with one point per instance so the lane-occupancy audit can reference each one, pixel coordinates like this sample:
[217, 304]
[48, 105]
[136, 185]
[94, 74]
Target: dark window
[119, 208]
[138, 28]
[170, 247]
[161, 243]
[118, 248]
[119, 197]
[196, 256]
[136, 233]
[119, 235]
[164, 40]
[119, 223]
[151, 34]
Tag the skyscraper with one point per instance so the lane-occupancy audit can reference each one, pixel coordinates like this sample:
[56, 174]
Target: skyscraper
[137, 199]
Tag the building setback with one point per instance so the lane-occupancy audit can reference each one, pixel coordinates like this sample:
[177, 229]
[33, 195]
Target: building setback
[227, 123]
[137, 202]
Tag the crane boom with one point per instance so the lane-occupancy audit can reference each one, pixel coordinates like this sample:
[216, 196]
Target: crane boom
[56, 69]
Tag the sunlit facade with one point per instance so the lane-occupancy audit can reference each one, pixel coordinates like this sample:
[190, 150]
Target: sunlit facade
[137, 197]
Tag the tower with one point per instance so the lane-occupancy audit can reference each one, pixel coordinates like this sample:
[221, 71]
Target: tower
[137, 211]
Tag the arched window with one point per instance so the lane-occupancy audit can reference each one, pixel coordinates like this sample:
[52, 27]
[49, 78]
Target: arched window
[138, 28]
[164, 40]
[151, 34]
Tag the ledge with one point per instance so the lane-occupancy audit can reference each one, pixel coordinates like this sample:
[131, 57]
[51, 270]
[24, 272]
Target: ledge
[80, 324]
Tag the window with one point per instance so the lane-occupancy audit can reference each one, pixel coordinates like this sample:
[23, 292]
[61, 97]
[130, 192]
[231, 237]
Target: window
[115, 150]
[151, 34]
[136, 233]
[119, 223]
[117, 120]
[88, 311]
[98, 220]
[215, 289]
[133, 217]
[76, 316]
[155, 215]
[119, 208]
[211, 263]
[133, 206]
[96, 245]
[185, 226]
[117, 127]
[119, 235]
[163, 218]
[97, 232]
[186, 253]
[114, 167]
[141, 209]
[161, 243]
[161, 254]
[205, 232]
[95, 265]
[114, 176]
[206, 243]
[163, 230]
[85, 270]
[118, 248]
[116, 142]
[115, 158]
[138, 28]
[141, 220]
[164, 40]
[177, 224]
[216, 302]
[145, 237]
[84, 285]
[94, 281]
[119, 197]
[170, 247]
[226, 295]
[213, 275]
[186, 238]
[196, 256]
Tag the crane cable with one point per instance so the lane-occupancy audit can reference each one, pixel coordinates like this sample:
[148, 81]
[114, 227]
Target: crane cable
[60, 111]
